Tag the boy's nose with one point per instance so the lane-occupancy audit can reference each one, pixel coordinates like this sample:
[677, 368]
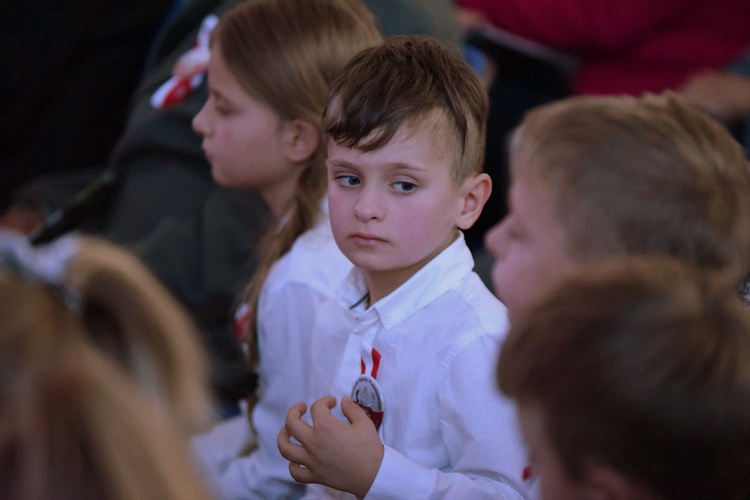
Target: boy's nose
[369, 205]
[494, 239]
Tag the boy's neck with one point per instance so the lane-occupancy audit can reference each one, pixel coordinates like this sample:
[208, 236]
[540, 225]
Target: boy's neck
[381, 284]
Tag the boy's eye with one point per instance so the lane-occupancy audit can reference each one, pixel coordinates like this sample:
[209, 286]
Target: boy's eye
[348, 180]
[404, 187]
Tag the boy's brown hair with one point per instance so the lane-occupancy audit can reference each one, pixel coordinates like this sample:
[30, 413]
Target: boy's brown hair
[408, 79]
[641, 365]
[648, 175]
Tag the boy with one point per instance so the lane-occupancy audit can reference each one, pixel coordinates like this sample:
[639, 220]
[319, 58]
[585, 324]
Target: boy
[601, 176]
[633, 382]
[410, 342]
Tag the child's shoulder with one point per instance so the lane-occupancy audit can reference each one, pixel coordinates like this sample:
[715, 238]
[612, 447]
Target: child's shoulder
[458, 299]
[464, 327]
[478, 302]
[314, 261]
[466, 310]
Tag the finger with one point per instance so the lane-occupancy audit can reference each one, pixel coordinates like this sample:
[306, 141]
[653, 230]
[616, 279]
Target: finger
[283, 438]
[300, 474]
[353, 412]
[290, 451]
[295, 426]
[294, 415]
[322, 407]
[296, 410]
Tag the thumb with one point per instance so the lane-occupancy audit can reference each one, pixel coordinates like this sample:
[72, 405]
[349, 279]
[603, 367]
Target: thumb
[353, 412]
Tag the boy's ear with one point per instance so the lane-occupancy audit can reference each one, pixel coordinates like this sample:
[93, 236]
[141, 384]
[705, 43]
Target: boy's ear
[606, 483]
[302, 140]
[475, 192]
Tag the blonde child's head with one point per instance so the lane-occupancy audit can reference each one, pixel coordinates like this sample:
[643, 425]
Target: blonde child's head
[132, 317]
[600, 176]
[640, 175]
[407, 81]
[632, 376]
[74, 421]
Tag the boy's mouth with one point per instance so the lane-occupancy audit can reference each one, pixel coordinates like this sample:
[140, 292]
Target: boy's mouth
[365, 239]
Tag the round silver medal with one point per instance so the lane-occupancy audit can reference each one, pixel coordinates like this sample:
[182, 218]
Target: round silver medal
[366, 393]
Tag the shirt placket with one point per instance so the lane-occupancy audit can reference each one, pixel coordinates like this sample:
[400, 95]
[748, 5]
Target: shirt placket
[360, 338]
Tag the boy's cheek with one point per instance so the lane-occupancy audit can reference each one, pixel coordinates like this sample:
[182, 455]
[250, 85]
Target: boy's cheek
[512, 289]
[501, 282]
[495, 240]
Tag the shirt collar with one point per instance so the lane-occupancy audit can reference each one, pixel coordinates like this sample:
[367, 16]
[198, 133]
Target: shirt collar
[438, 276]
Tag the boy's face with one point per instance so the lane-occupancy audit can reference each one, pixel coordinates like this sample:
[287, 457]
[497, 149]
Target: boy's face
[392, 210]
[529, 246]
[554, 481]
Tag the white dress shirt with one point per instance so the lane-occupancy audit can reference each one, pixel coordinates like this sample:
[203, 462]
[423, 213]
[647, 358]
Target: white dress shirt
[447, 430]
[295, 288]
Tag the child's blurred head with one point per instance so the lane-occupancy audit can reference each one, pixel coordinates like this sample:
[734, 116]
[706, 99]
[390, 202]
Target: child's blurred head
[129, 315]
[601, 176]
[633, 377]
[74, 423]
[406, 128]
[121, 309]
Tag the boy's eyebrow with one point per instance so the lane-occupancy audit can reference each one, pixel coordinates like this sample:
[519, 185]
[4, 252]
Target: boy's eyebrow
[341, 163]
[391, 166]
[407, 166]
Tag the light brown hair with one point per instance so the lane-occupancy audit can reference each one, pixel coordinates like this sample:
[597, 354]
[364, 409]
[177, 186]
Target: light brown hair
[409, 81]
[648, 175]
[73, 424]
[286, 53]
[641, 365]
[128, 314]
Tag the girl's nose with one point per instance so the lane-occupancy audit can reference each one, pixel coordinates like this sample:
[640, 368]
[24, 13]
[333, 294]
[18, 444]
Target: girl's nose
[200, 121]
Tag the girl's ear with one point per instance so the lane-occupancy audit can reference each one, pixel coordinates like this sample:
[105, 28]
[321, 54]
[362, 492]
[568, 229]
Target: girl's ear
[474, 194]
[302, 140]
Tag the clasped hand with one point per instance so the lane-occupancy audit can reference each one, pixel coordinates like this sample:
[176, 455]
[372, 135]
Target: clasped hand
[340, 455]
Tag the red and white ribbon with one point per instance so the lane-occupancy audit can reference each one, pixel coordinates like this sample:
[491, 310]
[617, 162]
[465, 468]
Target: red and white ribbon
[193, 63]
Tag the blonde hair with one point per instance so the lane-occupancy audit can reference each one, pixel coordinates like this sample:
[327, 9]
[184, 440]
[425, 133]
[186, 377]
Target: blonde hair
[648, 175]
[286, 53]
[131, 316]
[72, 423]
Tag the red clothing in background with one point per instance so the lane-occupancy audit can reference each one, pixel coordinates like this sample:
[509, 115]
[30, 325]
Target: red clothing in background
[629, 46]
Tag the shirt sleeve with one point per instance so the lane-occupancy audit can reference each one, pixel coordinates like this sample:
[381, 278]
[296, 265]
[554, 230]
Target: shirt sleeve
[481, 435]
[285, 311]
